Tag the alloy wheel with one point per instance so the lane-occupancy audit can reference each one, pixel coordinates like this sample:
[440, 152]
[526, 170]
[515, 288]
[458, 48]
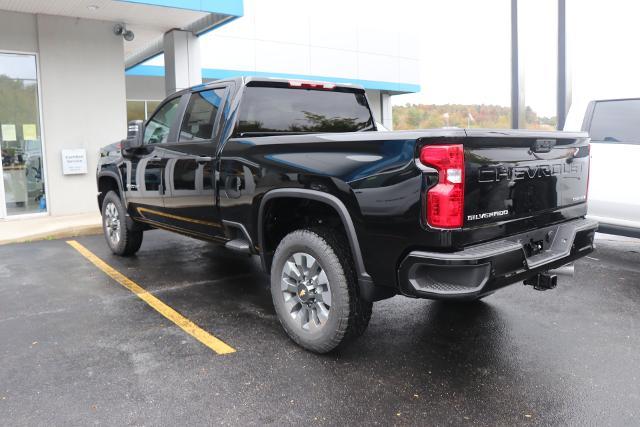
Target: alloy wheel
[112, 223]
[306, 291]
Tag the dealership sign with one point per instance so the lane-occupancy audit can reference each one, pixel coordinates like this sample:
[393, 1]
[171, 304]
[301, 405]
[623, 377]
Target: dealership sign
[74, 162]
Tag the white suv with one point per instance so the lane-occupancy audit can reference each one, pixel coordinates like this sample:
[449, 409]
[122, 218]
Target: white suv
[614, 181]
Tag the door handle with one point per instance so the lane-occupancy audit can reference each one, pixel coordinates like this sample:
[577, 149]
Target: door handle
[203, 159]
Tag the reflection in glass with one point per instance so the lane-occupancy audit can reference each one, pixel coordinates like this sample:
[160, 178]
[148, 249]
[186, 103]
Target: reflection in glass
[200, 115]
[184, 174]
[20, 143]
[616, 121]
[157, 129]
[151, 107]
[140, 110]
[539, 36]
[136, 111]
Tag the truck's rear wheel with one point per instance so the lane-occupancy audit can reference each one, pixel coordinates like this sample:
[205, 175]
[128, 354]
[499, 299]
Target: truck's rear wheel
[315, 291]
[122, 240]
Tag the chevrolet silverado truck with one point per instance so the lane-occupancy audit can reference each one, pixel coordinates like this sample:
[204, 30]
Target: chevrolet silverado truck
[341, 215]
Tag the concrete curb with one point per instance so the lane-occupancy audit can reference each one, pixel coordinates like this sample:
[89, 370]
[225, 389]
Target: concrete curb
[76, 231]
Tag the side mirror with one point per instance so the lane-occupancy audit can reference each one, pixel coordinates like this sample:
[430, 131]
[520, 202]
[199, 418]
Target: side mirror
[135, 133]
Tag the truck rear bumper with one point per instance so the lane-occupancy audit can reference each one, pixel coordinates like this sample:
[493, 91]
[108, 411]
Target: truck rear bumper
[481, 269]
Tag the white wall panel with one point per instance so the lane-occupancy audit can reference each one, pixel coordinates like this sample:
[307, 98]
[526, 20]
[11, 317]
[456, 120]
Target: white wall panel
[408, 45]
[377, 41]
[228, 53]
[274, 21]
[377, 67]
[316, 39]
[83, 102]
[408, 70]
[328, 30]
[244, 27]
[333, 62]
[282, 57]
[145, 88]
[18, 32]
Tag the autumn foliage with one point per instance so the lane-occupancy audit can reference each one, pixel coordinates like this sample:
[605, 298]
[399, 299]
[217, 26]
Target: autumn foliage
[423, 116]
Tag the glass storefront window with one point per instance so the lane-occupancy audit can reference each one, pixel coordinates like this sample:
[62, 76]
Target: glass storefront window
[151, 107]
[140, 110]
[23, 182]
[538, 51]
[135, 111]
[467, 85]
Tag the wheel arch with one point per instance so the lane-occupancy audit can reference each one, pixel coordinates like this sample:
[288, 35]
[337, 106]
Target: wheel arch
[333, 202]
[105, 181]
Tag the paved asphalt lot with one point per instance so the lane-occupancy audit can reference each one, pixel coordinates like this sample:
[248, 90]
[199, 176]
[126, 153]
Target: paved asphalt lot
[76, 348]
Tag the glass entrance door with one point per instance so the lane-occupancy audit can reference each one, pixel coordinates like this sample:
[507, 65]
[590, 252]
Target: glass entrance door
[22, 189]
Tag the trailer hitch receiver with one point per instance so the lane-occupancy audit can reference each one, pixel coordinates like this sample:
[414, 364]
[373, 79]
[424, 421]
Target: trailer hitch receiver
[542, 281]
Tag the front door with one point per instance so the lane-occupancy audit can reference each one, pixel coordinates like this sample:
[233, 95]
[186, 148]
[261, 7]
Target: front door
[147, 186]
[22, 182]
[191, 199]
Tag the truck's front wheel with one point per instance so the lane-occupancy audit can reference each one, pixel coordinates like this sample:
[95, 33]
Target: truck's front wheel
[122, 240]
[315, 291]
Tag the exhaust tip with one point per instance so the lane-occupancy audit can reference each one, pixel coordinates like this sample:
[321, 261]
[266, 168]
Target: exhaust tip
[565, 270]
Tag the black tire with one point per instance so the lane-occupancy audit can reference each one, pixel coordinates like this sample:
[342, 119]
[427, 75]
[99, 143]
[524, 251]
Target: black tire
[348, 314]
[121, 238]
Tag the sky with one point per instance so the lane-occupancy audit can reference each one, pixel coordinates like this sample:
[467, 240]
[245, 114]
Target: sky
[465, 50]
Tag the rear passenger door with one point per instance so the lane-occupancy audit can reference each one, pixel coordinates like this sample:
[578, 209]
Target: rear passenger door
[614, 195]
[191, 199]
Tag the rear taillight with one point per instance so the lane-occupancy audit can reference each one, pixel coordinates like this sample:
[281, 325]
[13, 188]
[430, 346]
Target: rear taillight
[445, 201]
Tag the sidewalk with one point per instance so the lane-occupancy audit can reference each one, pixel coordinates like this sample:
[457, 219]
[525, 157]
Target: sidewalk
[49, 227]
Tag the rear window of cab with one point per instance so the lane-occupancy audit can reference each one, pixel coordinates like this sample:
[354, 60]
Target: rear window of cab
[266, 109]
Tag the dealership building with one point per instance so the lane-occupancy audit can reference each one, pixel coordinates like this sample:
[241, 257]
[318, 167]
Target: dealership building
[72, 72]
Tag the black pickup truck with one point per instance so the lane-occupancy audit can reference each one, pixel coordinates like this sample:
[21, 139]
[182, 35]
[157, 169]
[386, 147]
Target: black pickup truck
[341, 214]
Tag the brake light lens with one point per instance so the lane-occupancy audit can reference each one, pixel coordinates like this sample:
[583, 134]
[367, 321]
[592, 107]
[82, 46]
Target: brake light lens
[312, 85]
[445, 201]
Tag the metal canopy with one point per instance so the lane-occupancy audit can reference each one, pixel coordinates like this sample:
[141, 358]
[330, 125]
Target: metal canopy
[148, 19]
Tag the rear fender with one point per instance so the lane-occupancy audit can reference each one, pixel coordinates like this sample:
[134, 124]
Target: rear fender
[367, 288]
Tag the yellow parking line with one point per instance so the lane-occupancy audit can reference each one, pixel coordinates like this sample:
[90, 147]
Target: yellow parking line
[185, 324]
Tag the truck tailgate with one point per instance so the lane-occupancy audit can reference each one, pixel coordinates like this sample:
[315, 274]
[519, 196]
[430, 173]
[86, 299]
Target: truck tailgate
[517, 180]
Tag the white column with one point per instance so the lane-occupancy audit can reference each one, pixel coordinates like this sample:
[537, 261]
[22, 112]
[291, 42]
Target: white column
[387, 111]
[181, 60]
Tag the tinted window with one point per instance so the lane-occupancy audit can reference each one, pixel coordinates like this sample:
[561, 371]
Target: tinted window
[277, 109]
[616, 121]
[158, 128]
[184, 175]
[200, 115]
